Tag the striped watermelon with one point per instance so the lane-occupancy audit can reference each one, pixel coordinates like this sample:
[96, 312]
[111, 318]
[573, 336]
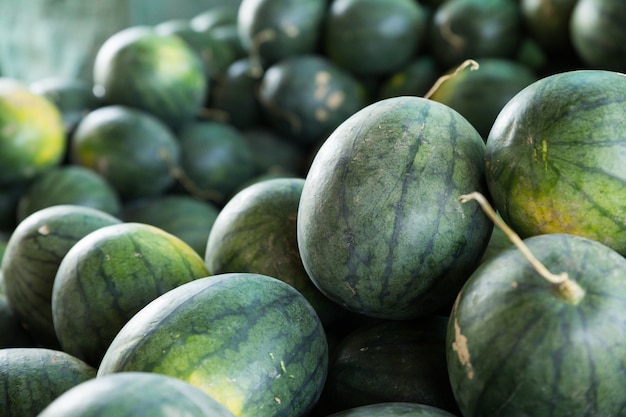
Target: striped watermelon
[250, 341]
[109, 275]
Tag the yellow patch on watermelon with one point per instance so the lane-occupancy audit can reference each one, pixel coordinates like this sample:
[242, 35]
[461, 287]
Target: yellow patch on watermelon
[222, 389]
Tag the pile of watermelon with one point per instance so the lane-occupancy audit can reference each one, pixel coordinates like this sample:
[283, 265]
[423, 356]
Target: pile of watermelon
[315, 208]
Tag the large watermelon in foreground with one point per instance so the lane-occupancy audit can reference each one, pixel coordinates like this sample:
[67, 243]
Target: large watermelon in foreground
[250, 341]
[556, 157]
[379, 226]
[520, 345]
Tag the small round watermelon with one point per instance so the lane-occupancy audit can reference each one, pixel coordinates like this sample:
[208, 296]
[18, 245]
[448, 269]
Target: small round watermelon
[32, 377]
[159, 74]
[521, 345]
[33, 254]
[555, 157]
[380, 230]
[250, 341]
[134, 394]
[108, 276]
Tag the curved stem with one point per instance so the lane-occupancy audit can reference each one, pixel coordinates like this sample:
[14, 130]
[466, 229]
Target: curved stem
[467, 63]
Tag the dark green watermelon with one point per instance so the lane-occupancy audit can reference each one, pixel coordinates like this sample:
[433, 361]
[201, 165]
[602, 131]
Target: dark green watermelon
[274, 153]
[272, 30]
[33, 254]
[474, 29]
[108, 276]
[393, 409]
[390, 361]
[159, 74]
[520, 345]
[304, 97]
[31, 378]
[250, 341]
[133, 150]
[480, 94]
[184, 216]
[215, 160]
[380, 230]
[555, 157]
[548, 22]
[256, 232]
[372, 37]
[69, 184]
[12, 333]
[134, 394]
[412, 79]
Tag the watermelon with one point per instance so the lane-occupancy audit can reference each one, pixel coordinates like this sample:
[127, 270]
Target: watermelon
[474, 29]
[34, 252]
[480, 94]
[597, 33]
[215, 160]
[413, 79]
[186, 217]
[256, 232]
[69, 184]
[548, 22]
[9, 197]
[32, 134]
[519, 344]
[133, 150]
[393, 409]
[555, 157]
[305, 97]
[32, 377]
[390, 361]
[373, 38]
[134, 394]
[274, 153]
[216, 16]
[250, 341]
[109, 275]
[380, 230]
[159, 74]
[272, 30]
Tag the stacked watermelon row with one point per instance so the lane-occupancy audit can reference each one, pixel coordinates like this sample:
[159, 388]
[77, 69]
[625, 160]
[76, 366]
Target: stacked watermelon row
[256, 212]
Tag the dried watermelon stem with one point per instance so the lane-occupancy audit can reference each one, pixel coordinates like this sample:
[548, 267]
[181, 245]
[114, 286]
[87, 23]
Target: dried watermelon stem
[473, 66]
[568, 289]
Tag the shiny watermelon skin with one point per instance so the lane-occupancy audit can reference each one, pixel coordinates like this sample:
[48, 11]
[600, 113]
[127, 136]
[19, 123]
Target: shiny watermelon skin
[380, 229]
[250, 341]
[554, 158]
[134, 394]
[516, 346]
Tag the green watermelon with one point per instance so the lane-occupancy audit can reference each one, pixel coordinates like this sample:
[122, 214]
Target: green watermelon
[393, 409]
[274, 153]
[133, 150]
[474, 29]
[31, 378]
[108, 276]
[134, 394]
[380, 230]
[555, 157]
[9, 197]
[69, 184]
[256, 232]
[250, 341]
[520, 345]
[186, 217]
[34, 252]
[390, 361]
[159, 74]
[597, 32]
[216, 16]
[480, 94]
[272, 30]
[304, 97]
[371, 37]
[548, 22]
[215, 160]
[413, 79]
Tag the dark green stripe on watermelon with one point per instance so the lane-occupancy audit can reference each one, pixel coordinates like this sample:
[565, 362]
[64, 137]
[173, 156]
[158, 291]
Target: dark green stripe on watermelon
[33, 255]
[380, 229]
[250, 341]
